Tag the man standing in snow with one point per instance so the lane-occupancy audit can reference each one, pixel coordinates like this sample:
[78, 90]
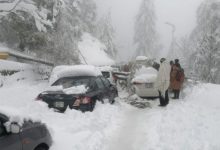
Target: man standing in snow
[163, 82]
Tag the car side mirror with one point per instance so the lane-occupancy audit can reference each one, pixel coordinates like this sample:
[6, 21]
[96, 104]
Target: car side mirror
[15, 128]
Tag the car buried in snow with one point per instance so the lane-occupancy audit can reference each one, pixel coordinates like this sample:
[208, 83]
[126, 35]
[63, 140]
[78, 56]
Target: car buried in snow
[26, 136]
[77, 87]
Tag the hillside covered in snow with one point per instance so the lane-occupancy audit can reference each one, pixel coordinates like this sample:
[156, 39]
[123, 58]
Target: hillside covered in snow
[53, 30]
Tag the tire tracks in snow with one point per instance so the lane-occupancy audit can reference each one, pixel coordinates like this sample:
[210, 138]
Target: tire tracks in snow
[129, 132]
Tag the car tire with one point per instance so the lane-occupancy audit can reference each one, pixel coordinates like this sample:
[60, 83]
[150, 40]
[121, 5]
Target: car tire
[41, 148]
[112, 100]
[92, 106]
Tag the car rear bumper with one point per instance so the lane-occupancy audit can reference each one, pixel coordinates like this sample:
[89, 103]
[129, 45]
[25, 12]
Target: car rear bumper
[146, 92]
[82, 107]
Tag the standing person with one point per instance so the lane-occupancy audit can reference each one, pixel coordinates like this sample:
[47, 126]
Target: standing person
[177, 63]
[172, 77]
[177, 78]
[171, 64]
[163, 82]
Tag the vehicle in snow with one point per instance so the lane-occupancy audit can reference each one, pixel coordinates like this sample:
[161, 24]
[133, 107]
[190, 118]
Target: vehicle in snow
[78, 87]
[28, 136]
[108, 72]
[144, 82]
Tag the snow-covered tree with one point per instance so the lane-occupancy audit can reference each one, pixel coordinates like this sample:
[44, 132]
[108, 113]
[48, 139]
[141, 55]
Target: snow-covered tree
[145, 36]
[106, 34]
[75, 17]
[49, 28]
[207, 43]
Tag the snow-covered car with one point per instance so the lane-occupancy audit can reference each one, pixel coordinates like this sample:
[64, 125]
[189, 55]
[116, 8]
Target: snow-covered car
[77, 87]
[107, 72]
[144, 82]
[26, 136]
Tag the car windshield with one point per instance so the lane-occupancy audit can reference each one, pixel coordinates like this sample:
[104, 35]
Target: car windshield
[73, 82]
[106, 74]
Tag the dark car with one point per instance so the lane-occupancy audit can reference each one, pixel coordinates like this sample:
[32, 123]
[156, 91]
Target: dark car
[29, 136]
[98, 88]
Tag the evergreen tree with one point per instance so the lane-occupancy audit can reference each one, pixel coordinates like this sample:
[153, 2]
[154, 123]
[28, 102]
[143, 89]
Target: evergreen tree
[145, 36]
[207, 42]
[106, 35]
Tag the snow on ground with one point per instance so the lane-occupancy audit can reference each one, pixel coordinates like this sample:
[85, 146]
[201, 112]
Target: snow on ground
[10, 65]
[93, 51]
[70, 130]
[191, 123]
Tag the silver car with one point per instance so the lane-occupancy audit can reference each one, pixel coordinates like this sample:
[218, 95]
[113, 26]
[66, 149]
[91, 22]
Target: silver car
[29, 136]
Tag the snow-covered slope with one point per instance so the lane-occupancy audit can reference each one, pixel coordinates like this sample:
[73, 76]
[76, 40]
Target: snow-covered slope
[93, 51]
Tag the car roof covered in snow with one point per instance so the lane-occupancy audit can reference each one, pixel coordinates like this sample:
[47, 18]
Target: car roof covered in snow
[73, 71]
[141, 58]
[145, 75]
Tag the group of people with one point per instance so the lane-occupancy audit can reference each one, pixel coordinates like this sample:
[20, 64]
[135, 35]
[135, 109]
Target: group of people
[170, 78]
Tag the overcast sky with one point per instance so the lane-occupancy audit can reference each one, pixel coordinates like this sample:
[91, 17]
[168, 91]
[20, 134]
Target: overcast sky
[181, 13]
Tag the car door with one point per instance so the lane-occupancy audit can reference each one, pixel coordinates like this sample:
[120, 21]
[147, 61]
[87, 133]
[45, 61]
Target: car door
[9, 141]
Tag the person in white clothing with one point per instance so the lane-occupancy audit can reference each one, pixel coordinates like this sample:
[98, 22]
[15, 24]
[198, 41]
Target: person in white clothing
[163, 82]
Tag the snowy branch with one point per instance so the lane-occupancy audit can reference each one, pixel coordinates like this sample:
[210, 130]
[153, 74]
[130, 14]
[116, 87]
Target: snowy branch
[12, 7]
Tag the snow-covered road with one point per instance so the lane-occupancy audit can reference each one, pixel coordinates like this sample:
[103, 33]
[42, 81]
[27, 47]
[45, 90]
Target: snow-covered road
[191, 123]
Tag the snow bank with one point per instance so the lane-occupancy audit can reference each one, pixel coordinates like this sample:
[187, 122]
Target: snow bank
[77, 70]
[191, 123]
[70, 130]
[21, 78]
[145, 75]
[93, 51]
[10, 65]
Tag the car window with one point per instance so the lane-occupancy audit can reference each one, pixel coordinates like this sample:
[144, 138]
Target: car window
[71, 82]
[106, 74]
[100, 83]
[106, 81]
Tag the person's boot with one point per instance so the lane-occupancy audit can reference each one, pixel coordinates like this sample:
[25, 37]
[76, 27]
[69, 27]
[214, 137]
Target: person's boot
[174, 92]
[177, 94]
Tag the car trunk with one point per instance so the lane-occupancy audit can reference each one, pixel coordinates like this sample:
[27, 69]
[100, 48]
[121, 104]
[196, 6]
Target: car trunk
[59, 100]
